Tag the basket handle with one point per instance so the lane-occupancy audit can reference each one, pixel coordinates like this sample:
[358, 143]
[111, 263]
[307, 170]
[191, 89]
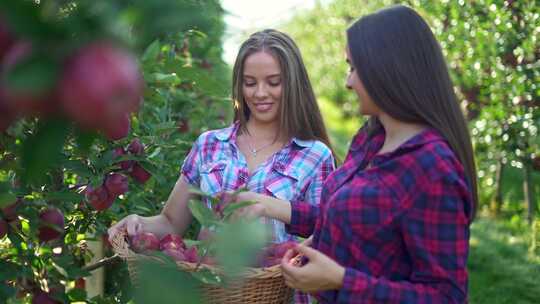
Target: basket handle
[120, 244]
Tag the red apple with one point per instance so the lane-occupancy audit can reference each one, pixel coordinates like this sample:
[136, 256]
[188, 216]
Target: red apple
[99, 198]
[42, 297]
[136, 147]
[117, 129]
[6, 37]
[139, 173]
[183, 125]
[100, 83]
[52, 224]
[172, 241]
[536, 163]
[205, 64]
[176, 254]
[125, 164]
[10, 211]
[279, 250]
[144, 241]
[116, 184]
[191, 254]
[80, 283]
[3, 228]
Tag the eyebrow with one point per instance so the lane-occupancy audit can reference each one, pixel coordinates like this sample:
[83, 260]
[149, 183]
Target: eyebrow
[269, 76]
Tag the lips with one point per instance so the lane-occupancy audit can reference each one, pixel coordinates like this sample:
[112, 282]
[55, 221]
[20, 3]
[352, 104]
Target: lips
[263, 106]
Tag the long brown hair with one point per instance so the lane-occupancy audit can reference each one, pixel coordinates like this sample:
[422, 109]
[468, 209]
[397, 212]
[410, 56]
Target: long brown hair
[402, 67]
[300, 116]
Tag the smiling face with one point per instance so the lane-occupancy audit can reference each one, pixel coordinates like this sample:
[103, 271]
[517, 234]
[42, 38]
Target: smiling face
[367, 106]
[262, 86]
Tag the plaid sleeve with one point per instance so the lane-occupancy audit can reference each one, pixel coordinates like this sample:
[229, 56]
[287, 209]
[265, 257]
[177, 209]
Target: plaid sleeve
[191, 165]
[304, 213]
[435, 233]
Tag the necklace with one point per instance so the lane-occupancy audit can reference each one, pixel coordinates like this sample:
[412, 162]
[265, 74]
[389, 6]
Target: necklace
[254, 151]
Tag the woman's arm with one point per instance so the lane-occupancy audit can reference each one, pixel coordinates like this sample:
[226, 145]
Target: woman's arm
[174, 218]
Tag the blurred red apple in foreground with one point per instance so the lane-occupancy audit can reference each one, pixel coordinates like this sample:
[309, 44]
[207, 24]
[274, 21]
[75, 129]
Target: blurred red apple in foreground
[6, 37]
[100, 83]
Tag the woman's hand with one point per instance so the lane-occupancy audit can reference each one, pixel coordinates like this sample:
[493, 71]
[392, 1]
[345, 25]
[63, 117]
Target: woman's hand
[132, 223]
[318, 274]
[252, 211]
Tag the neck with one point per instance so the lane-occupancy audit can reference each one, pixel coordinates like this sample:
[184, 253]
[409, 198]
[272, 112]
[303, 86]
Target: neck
[398, 131]
[261, 130]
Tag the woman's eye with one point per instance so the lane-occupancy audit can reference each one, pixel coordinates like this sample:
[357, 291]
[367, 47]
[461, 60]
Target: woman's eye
[275, 84]
[249, 84]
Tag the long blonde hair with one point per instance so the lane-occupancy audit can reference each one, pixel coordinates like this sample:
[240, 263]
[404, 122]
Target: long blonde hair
[300, 116]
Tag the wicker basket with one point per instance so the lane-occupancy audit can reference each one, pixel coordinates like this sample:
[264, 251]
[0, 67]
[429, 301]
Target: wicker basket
[259, 285]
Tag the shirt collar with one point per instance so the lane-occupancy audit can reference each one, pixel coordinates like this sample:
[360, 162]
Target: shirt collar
[302, 143]
[228, 133]
[377, 138]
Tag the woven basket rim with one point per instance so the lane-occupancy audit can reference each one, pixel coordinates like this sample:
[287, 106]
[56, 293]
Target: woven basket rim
[121, 247]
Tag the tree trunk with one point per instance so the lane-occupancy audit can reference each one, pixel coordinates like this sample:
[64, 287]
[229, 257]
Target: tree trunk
[528, 192]
[497, 201]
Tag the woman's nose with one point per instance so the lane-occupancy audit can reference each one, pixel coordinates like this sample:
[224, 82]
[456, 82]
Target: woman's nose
[260, 91]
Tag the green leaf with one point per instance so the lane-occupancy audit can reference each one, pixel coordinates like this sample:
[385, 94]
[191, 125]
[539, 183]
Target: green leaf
[161, 78]
[230, 208]
[8, 270]
[65, 196]
[84, 140]
[6, 291]
[237, 244]
[42, 151]
[35, 75]
[6, 199]
[77, 295]
[159, 277]
[202, 213]
[206, 276]
[78, 168]
[152, 51]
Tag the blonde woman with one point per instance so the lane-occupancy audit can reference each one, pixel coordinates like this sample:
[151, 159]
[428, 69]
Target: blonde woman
[277, 145]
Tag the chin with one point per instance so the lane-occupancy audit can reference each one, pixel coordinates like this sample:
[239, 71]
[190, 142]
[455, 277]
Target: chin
[265, 118]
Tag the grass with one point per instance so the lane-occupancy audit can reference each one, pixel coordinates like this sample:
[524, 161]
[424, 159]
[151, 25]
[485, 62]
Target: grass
[501, 268]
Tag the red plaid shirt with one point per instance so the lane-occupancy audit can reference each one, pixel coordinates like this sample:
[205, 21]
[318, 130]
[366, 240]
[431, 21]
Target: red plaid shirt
[400, 227]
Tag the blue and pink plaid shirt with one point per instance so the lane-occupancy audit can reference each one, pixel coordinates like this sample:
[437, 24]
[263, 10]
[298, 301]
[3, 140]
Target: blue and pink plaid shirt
[399, 226]
[296, 172]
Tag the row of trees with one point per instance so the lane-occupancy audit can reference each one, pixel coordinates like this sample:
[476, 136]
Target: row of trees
[492, 49]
